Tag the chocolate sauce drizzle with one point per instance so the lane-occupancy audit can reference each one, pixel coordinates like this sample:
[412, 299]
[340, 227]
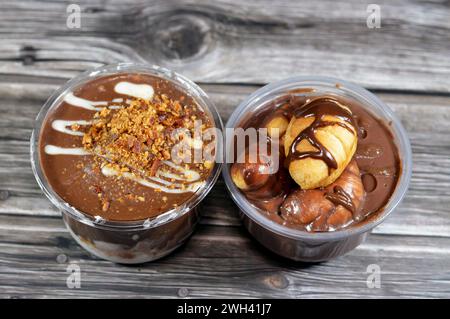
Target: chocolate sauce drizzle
[340, 197]
[318, 108]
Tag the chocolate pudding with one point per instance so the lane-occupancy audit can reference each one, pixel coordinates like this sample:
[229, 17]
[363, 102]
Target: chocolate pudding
[127, 152]
[338, 164]
[106, 149]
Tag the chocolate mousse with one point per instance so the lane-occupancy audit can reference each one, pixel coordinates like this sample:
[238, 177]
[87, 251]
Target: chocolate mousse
[338, 163]
[108, 148]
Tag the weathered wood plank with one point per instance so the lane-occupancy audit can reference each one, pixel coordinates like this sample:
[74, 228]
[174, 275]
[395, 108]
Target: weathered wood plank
[235, 42]
[216, 262]
[228, 42]
[425, 211]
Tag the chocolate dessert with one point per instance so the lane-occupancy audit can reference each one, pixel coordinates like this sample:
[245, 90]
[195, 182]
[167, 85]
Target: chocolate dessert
[107, 148]
[127, 153]
[338, 163]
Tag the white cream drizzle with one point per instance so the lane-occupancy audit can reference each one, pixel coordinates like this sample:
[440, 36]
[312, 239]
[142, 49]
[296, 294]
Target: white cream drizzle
[177, 187]
[190, 175]
[115, 107]
[56, 150]
[73, 100]
[140, 91]
[61, 126]
[187, 176]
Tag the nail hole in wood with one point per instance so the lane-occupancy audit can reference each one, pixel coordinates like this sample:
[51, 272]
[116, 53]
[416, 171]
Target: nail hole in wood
[183, 292]
[28, 54]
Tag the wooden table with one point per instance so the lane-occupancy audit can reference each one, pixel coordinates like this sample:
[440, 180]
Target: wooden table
[230, 48]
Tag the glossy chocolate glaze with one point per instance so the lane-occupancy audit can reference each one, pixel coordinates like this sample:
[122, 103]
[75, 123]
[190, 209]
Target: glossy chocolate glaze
[376, 163]
[318, 108]
[340, 197]
[78, 179]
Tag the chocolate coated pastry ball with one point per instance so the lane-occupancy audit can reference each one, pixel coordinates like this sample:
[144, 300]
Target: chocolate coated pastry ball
[250, 176]
[305, 206]
[271, 195]
[350, 182]
[324, 141]
[320, 141]
[265, 188]
[276, 123]
[327, 208]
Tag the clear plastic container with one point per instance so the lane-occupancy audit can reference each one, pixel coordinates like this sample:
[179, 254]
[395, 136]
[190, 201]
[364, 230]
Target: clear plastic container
[128, 242]
[320, 246]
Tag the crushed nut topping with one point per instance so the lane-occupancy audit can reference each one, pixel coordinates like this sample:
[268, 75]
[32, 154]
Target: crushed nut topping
[139, 136]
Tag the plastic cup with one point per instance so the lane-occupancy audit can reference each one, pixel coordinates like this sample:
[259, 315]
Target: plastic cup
[317, 246]
[128, 242]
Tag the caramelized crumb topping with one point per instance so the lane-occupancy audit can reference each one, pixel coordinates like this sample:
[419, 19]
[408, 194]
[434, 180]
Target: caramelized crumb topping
[139, 136]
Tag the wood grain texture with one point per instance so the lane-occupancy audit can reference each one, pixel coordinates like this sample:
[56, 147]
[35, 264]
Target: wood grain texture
[235, 42]
[230, 47]
[217, 261]
[426, 118]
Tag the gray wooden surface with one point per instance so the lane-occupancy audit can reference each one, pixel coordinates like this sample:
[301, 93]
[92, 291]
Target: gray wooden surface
[230, 48]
